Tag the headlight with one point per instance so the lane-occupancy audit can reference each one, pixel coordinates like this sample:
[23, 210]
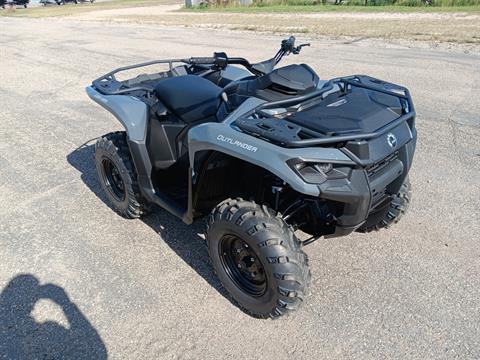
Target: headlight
[313, 173]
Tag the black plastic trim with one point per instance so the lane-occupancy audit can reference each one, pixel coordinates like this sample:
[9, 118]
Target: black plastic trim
[343, 83]
[143, 166]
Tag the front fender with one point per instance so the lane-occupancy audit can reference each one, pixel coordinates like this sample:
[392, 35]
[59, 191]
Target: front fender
[223, 138]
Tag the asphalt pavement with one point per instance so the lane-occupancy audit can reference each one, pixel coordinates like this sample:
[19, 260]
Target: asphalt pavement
[77, 278]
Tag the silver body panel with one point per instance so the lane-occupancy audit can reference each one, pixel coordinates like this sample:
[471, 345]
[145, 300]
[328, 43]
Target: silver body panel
[131, 112]
[234, 73]
[223, 137]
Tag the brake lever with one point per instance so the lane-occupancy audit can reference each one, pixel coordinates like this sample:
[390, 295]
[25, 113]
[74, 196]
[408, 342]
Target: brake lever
[221, 60]
[296, 50]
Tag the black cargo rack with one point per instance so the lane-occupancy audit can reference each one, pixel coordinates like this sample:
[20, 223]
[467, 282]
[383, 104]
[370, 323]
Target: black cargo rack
[254, 126]
[109, 85]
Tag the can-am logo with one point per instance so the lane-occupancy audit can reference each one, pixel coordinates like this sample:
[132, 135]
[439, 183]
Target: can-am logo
[237, 143]
[392, 140]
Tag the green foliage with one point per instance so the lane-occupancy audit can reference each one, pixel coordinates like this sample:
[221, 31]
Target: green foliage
[408, 3]
[286, 2]
[456, 2]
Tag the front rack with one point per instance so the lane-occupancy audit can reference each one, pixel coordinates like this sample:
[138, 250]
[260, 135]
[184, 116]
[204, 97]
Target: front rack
[248, 125]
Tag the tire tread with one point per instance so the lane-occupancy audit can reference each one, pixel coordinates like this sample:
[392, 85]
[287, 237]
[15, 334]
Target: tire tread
[398, 207]
[116, 146]
[282, 250]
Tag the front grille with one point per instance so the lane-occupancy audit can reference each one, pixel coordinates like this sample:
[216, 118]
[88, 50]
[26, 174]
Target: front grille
[378, 197]
[380, 165]
[379, 191]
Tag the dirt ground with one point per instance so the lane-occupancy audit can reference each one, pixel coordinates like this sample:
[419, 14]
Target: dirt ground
[459, 30]
[450, 29]
[146, 290]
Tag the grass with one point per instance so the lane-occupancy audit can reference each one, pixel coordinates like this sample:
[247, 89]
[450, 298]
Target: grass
[333, 8]
[72, 9]
[315, 20]
[274, 6]
[410, 3]
[456, 30]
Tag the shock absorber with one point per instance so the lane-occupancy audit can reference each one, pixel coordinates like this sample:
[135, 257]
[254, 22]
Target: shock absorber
[277, 188]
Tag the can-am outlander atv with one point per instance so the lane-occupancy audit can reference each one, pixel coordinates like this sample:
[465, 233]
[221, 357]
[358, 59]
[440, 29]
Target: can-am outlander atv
[64, 2]
[266, 151]
[23, 3]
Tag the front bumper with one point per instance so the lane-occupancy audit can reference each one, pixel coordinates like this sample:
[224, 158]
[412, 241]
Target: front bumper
[365, 188]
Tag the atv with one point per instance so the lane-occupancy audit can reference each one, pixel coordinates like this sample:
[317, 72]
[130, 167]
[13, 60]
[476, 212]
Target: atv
[64, 2]
[276, 156]
[23, 3]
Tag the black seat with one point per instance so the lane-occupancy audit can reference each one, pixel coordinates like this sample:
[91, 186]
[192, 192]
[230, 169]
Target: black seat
[190, 97]
[281, 83]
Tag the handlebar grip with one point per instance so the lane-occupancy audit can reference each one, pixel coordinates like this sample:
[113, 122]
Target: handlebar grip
[202, 60]
[288, 44]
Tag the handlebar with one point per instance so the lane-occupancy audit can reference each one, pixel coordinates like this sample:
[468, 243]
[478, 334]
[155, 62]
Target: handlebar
[288, 46]
[221, 60]
[201, 60]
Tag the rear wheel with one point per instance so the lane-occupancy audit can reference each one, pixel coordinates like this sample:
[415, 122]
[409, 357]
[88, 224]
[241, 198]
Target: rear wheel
[392, 212]
[257, 258]
[117, 175]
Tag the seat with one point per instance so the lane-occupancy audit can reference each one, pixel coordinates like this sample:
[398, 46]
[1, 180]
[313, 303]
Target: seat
[190, 97]
[281, 83]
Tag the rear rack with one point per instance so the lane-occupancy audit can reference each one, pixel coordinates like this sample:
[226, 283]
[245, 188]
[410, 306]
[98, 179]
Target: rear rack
[249, 125]
[103, 82]
[109, 85]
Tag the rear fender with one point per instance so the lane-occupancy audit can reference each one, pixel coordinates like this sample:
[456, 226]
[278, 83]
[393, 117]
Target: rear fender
[131, 112]
[133, 115]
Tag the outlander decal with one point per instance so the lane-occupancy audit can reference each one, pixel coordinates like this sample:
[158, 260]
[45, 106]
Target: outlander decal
[237, 143]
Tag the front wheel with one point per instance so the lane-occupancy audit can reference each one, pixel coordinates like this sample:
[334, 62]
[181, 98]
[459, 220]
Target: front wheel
[258, 258]
[392, 212]
[117, 175]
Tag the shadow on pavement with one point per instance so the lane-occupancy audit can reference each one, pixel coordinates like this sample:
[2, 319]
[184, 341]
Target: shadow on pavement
[184, 239]
[22, 337]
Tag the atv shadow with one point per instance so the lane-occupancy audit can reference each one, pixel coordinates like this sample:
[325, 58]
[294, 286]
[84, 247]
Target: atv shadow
[186, 240]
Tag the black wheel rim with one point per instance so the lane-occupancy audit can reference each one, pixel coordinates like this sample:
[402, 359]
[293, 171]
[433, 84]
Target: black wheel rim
[113, 180]
[242, 265]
